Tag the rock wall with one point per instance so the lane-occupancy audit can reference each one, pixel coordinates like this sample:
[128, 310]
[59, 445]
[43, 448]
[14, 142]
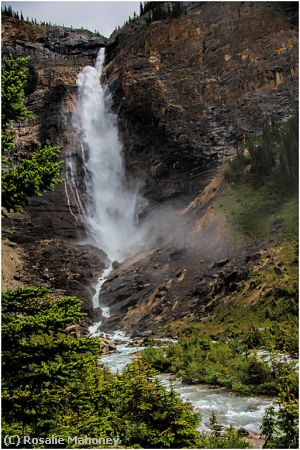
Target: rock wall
[47, 233]
[189, 90]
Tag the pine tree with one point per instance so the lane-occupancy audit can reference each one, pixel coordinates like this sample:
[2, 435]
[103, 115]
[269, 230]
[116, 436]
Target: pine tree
[30, 177]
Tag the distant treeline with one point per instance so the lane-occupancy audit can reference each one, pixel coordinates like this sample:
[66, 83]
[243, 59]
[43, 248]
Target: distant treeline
[162, 10]
[156, 11]
[9, 12]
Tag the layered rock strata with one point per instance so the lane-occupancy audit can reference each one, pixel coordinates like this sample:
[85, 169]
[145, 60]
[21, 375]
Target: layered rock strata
[190, 90]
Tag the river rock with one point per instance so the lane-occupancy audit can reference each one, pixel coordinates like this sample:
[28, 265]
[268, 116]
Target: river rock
[243, 432]
[107, 345]
[115, 265]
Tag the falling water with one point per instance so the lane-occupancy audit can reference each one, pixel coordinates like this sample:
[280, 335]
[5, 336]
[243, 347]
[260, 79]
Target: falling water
[112, 208]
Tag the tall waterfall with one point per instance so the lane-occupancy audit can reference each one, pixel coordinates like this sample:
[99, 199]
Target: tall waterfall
[111, 210]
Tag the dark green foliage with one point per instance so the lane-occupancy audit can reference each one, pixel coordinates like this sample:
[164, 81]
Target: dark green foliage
[280, 425]
[162, 10]
[272, 156]
[160, 418]
[196, 359]
[52, 383]
[262, 197]
[8, 11]
[14, 78]
[156, 11]
[31, 176]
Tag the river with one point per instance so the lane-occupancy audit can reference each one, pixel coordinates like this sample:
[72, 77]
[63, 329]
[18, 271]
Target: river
[230, 409]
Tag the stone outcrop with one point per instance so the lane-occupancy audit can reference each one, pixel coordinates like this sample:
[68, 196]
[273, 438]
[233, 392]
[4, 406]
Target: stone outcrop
[189, 90]
[47, 233]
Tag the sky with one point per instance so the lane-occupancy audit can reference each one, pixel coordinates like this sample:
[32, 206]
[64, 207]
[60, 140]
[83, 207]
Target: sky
[102, 16]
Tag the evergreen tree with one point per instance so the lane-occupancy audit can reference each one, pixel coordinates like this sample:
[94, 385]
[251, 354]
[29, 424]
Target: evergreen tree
[32, 176]
[52, 382]
[280, 426]
[141, 9]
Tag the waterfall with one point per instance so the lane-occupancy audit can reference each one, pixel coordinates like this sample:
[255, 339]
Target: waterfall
[111, 210]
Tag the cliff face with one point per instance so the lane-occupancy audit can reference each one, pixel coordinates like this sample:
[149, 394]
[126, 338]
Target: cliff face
[188, 90]
[47, 233]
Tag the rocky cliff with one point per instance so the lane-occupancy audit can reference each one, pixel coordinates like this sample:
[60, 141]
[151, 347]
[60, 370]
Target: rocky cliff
[188, 92]
[47, 234]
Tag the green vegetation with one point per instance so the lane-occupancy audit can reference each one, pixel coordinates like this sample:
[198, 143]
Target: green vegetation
[162, 10]
[8, 11]
[262, 197]
[280, 426]
[27, 177]
[156, 11]
[13, 82]
[222, 438]
[31, 177]
[197, 359]
[52, 383]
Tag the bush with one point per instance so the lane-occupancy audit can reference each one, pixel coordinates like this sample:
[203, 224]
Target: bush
[197, 360]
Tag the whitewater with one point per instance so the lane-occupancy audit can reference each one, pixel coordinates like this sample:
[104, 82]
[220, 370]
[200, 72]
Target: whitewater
[112, 208]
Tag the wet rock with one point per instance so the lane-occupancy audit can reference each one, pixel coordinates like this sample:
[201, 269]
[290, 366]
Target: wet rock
[243, 432]
[159, 170]
[200, 290]
[177, 253]
[136, 343]
[115, 265]
[220, 263]
[96, 314]
[107, 345]
[146, 333]
[253, 256]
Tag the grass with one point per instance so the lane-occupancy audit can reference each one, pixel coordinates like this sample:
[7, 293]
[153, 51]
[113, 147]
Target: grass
[260, 213]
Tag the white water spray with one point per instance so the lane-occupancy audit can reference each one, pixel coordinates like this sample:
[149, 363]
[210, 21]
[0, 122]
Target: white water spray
[112, 209]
